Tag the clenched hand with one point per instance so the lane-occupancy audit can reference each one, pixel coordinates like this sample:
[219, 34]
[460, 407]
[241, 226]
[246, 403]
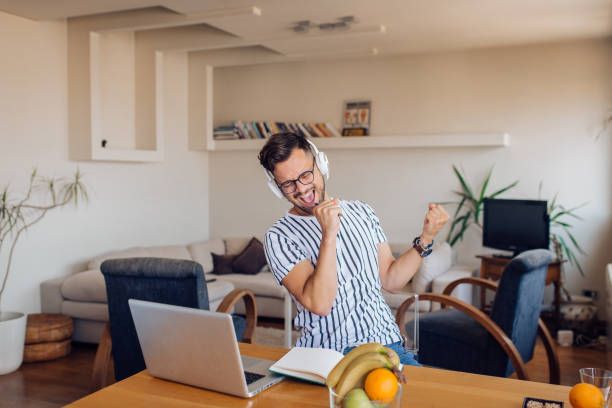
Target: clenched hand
[328, 214]
[435, 219]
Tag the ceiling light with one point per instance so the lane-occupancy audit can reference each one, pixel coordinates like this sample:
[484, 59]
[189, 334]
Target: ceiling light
[341, 23]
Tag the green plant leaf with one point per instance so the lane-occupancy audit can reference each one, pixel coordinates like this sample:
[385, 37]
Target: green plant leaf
[503, 190]
[485, 184]
[464, 184]
[464, 225]
[574, 241]
[454, 222]
[553, 203]
[469, 198]
[570, 254]
[569, 213]
[479, 204]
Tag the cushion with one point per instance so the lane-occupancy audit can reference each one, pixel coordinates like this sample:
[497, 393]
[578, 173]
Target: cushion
[97, 312]
[135, 252]
[234, 246]
[218, 289]
[201, 252]
[433, 266]
[452, 340]
[262, 284]
[85, 286]
[251, 260]
[222, 264]
[169, 251]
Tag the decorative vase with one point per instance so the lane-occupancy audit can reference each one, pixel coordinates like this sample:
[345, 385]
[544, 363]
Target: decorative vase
[12, 335]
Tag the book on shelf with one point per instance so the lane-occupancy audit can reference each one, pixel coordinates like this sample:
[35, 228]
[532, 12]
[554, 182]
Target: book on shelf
[305, 363]
[257, 130]
[264, 129]
[303, 130]
[334, 132]
[227, 132]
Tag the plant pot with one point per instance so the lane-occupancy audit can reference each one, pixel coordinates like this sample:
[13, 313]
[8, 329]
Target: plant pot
[12, 333]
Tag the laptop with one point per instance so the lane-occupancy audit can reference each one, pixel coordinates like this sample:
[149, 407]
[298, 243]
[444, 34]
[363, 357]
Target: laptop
[199, 348]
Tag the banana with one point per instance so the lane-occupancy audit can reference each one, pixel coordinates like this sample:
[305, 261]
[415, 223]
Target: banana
[393, 357]
[335, 374]
[355, 373]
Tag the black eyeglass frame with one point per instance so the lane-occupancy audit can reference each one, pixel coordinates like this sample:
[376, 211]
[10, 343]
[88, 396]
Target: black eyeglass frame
[308, 173]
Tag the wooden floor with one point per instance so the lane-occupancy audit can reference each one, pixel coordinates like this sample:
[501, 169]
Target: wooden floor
[56, 383]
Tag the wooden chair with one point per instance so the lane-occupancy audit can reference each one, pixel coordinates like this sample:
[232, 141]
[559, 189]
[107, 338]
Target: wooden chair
[170, 281]
[467, 339]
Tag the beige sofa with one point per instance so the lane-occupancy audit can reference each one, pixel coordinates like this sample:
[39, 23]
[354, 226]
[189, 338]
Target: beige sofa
[83, 295]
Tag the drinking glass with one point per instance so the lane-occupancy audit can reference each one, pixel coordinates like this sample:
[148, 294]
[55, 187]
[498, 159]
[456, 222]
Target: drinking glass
[411, 339]
[600, 378]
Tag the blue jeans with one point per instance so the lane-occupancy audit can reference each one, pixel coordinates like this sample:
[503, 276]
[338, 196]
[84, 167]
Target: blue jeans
[406, 357]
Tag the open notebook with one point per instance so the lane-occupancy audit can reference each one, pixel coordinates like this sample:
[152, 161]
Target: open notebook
[310, 364]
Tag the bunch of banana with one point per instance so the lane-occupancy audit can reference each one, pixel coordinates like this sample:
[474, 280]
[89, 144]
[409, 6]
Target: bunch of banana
[350, 372]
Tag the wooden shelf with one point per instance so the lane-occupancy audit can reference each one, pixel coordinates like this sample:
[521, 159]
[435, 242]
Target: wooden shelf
[125, 155]
[381, 142]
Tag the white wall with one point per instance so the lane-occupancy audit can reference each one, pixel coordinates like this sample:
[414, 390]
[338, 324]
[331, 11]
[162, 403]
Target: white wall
[130, 204]
[550, 98]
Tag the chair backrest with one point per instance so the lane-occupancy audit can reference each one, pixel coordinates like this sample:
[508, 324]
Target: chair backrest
[161, 280]
[517, 305]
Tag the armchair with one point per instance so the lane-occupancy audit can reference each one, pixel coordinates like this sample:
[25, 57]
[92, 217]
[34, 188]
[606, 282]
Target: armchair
[466, 339]
[162, 280]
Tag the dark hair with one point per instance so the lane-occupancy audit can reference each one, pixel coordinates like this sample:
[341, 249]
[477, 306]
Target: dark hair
[279, 147]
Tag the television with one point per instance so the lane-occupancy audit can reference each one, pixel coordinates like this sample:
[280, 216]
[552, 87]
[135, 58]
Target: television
[515, 225]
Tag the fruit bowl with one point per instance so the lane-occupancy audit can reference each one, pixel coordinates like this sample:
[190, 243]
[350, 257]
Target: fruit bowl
[369, 376]
[357, 398]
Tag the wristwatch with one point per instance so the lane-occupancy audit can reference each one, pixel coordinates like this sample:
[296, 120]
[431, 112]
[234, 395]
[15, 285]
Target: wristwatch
[423, 250]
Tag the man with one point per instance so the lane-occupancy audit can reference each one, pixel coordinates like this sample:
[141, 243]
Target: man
[332, 255]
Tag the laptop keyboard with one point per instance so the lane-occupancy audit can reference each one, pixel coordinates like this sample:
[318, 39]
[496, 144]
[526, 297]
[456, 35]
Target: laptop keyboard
[252, 377]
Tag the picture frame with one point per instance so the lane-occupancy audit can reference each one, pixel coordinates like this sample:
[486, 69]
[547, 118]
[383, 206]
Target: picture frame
[356, 118]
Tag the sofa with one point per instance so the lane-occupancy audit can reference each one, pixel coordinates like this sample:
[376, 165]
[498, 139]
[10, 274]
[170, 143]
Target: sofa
[83, 295]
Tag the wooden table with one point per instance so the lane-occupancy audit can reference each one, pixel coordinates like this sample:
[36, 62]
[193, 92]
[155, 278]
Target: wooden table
[426, 387]
[492, 267]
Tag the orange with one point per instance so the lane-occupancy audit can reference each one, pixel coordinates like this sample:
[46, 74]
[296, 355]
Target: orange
[381, 385]
[585, 395]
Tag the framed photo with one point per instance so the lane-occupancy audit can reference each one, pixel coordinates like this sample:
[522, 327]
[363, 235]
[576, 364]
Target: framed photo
[356, 118]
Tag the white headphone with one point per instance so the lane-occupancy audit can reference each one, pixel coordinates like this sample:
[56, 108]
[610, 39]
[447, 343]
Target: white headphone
[320, 160]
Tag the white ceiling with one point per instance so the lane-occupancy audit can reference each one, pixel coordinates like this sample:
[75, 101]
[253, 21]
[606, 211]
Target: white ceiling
[411, 25]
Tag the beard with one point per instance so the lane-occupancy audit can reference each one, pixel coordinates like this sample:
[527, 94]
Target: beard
[306, 202]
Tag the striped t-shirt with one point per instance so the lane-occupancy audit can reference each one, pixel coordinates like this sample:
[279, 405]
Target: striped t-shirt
[359, 313]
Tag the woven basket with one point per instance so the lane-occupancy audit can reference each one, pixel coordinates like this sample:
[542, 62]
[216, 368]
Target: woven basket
[48, 336]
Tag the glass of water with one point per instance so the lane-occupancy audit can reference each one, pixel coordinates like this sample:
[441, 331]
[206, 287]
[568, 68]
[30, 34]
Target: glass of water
[411, 326]
[600, 378]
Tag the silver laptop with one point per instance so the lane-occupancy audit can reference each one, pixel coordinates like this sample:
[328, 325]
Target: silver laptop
[199, 348]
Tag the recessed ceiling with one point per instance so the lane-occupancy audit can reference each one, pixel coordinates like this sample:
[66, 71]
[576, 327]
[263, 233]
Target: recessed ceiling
[411, 25]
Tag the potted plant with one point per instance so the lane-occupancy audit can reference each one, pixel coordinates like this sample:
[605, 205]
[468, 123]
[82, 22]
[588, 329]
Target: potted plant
[469, 211]
[16, 216]
[563, 242]
[470, 206]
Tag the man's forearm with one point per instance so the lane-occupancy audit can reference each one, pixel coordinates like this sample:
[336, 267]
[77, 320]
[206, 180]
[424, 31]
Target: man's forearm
[322, 286]
[403, 268]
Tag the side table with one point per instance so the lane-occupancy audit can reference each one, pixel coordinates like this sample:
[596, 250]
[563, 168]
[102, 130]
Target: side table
[48, 336]
[492, 267]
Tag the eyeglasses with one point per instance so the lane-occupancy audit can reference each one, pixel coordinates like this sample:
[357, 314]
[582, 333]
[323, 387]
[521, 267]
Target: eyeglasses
[307, 177]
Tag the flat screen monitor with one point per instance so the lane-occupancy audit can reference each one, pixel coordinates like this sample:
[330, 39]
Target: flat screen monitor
[515, 225]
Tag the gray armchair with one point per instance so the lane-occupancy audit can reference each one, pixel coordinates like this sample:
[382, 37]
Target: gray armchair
[466, 339]
[162, 280]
